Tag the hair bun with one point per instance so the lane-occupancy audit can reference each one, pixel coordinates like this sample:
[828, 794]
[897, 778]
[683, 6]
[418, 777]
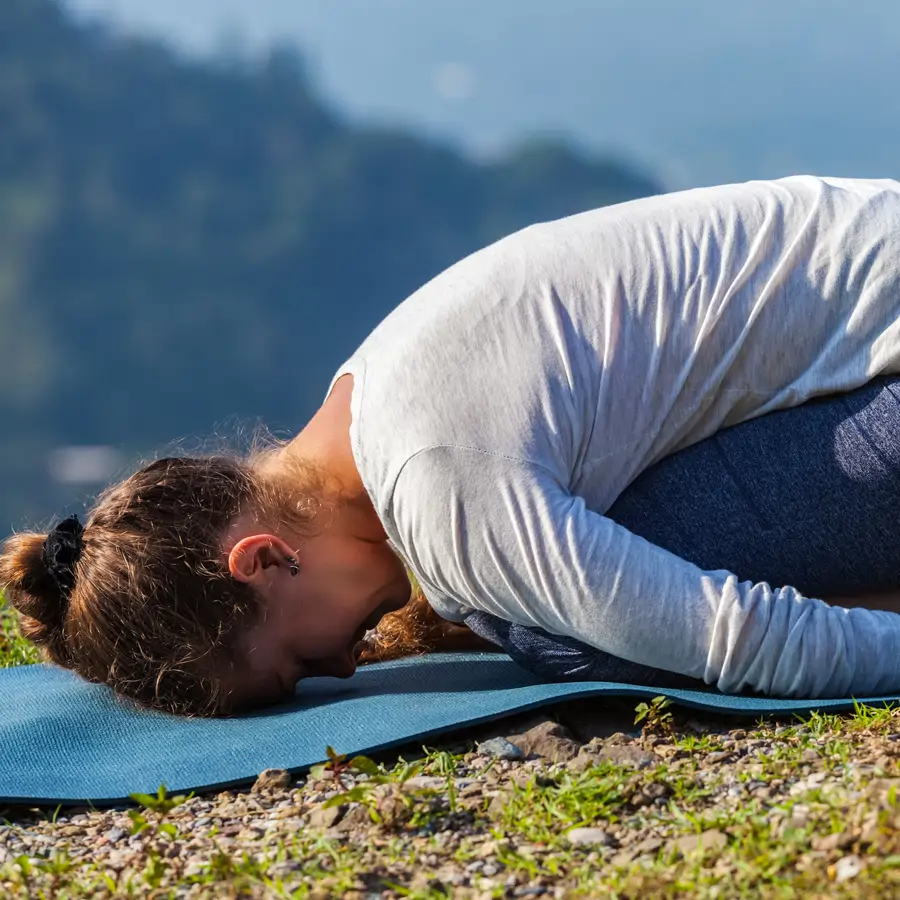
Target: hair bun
[34, 590]
[62, 550]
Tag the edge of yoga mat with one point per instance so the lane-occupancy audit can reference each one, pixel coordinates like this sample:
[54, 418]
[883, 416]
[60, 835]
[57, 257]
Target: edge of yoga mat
[63, 741]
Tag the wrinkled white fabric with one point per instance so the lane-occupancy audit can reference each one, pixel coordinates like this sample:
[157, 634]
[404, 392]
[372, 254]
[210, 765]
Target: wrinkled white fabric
[502, 408]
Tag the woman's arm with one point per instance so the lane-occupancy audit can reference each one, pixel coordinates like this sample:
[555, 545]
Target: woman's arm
[503, 536]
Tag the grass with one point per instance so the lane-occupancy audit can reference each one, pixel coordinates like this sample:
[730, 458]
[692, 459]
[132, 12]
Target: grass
[774, 835]
[14, 649]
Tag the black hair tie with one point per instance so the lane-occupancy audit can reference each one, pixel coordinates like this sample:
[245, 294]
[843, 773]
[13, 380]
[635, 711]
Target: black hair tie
[62, 549]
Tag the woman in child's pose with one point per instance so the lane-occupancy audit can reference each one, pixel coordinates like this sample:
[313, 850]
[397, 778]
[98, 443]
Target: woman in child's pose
[482, 438]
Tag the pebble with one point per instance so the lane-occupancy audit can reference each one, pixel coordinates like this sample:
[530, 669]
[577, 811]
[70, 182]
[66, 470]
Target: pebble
[839, 840]
[325, 816]
[252, 822]
[718, 756]
[501, 748]
[649, 845]
[628, 755]
[271, 779]
[846, 867]
[581, 837]
[712, 839]
[429, 783]
[547, 739]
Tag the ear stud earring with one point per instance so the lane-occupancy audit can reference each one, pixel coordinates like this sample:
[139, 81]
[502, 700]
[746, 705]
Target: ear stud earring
[293, 566]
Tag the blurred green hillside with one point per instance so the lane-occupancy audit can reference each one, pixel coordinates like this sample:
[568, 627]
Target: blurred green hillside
[183, 244]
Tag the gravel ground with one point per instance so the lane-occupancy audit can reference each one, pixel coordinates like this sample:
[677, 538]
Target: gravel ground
[573, 801]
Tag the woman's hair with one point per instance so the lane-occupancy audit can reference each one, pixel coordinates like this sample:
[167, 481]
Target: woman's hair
[153, 611]
[417, 629]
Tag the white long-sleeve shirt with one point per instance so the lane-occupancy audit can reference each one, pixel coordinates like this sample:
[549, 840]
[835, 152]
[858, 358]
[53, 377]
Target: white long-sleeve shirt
[502, 408]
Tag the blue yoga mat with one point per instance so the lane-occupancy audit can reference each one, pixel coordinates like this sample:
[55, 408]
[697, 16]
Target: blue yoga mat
[65, 741]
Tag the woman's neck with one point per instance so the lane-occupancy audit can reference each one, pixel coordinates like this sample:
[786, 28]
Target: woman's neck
[325, 442]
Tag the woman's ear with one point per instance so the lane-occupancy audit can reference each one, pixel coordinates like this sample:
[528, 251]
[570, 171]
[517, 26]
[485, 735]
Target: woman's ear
[252, 555]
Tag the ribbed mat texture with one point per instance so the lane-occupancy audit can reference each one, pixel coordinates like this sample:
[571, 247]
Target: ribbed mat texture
[62, 740]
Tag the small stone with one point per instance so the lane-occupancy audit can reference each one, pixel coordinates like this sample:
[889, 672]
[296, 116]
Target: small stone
[657, 790]
[845, 868]
[810, 755]
[287, 812]
[711, 839]
[285, 868]
[115, 834]
[628, 755]
[620, 754]
[501, 748]
[498, 802]
[871, 834]
[582, 762]
[548, 740]
[667, 751]
[581, 837]
[326, 816]
[884, 791]
[356, 817]
[798, 818]
[718, 756]
[272, 778]
[425, 783]
[471, 790]
[648, 845]
[840, 840]
[623, 857]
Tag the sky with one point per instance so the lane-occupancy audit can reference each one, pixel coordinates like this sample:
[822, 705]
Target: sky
[694, 91]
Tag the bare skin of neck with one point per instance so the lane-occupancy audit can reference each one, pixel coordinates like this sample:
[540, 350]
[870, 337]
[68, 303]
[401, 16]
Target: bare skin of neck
[326, 441]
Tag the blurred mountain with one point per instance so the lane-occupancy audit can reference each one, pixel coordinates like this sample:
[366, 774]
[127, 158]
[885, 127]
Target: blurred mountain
[701, 91]
[186, 243]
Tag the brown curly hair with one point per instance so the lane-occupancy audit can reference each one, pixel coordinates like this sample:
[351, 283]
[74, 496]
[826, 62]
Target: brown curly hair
[154, 612]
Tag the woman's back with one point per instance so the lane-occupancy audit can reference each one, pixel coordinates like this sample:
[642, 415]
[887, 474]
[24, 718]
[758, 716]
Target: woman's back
[597, 344]
[502, 408]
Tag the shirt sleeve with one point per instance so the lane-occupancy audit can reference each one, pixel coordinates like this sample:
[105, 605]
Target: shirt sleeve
[504, 536]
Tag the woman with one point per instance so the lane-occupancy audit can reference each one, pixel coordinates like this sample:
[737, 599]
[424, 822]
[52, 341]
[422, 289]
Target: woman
[477, 437]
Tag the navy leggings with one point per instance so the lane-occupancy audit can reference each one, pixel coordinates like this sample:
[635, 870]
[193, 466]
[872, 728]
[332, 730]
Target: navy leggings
[807, 497]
